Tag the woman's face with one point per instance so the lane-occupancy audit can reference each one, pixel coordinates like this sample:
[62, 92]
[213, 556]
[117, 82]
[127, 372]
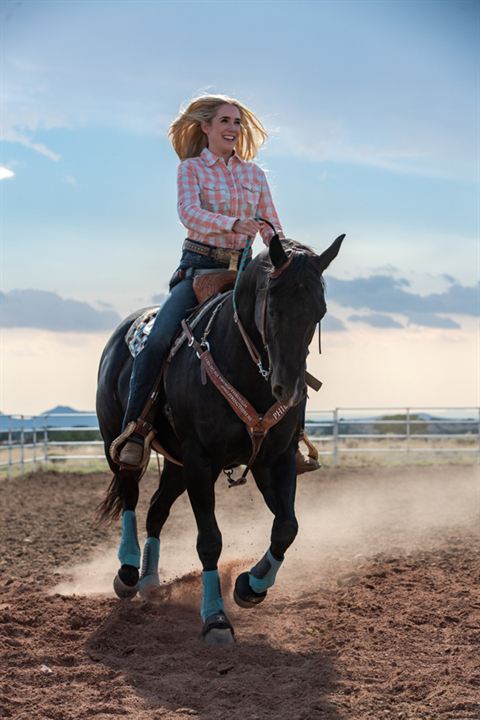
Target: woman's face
[223, 130]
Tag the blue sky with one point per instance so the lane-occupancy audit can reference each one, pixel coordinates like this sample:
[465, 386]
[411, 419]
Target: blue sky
[372, 110]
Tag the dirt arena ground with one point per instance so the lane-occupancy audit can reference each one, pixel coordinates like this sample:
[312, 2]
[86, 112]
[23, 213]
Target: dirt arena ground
[376, 611]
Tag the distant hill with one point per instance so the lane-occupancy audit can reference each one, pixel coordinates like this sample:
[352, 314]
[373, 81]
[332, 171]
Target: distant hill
[54, 418]
[62, 409]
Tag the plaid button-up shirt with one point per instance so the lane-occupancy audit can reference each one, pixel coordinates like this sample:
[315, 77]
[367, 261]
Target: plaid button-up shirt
[213, 195]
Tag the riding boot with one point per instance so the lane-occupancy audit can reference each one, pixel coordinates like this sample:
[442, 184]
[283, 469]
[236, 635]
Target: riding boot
[135, 452]
[145, 380]
[305, 464]
[131, 455]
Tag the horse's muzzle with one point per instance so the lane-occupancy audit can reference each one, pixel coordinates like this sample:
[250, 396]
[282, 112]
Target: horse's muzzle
[288, 393]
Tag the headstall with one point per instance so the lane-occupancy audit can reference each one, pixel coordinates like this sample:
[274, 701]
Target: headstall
[260, 304]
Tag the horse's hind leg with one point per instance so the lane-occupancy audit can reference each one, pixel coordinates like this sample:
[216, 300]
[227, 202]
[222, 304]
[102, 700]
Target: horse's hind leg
[126, 580]
[200, 478]
[277, 485]
[170, 488]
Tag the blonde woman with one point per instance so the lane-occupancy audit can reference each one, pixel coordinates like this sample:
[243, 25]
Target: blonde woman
[220, 193]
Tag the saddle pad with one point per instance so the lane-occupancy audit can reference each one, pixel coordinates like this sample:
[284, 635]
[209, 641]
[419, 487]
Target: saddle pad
[138, 332]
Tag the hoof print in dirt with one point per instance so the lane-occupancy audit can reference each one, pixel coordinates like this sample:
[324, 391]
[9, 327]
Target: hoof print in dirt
[244, 595]
[217, 630]
[125, 583]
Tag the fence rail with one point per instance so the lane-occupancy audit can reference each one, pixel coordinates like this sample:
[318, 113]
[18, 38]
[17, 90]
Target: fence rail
[27, 440]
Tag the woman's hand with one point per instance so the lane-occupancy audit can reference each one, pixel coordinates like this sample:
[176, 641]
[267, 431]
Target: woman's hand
[246, 227]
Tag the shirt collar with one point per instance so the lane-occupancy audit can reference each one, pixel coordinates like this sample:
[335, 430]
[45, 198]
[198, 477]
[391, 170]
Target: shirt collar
[210, 158]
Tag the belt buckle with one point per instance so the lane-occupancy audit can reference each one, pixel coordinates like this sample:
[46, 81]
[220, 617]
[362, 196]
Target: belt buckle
[233, 264]
[228, 256]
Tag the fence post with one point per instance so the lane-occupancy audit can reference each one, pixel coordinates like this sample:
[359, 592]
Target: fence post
[10, 449]
[34, 439]
[22, 444]
[408, 430]
[479, 430]
[335, 436]
[45, 442]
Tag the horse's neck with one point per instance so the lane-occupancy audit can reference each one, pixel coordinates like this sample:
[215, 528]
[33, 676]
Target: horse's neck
[232, 338]
[246, 302]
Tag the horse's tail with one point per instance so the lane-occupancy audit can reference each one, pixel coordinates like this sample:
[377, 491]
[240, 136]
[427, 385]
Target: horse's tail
[122, 485]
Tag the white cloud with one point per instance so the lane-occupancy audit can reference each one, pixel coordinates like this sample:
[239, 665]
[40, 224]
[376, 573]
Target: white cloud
[5, 173]
[13, 136]
[328, 140]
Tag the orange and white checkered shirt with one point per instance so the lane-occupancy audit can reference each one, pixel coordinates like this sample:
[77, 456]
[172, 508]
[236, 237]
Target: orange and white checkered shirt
[213, 195]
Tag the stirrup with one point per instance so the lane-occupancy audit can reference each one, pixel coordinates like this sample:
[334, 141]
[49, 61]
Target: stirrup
[141, 427]
[312, 450]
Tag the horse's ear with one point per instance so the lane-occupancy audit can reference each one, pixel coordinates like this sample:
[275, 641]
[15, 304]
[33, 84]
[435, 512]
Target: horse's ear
[278, 256]
[330, 253]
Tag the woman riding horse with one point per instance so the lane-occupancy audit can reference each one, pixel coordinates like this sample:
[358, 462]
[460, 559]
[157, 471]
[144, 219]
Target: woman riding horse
[219, 409]
[220, 195]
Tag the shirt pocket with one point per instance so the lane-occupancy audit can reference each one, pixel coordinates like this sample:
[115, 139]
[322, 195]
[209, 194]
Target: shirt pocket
[251, 198]
[215, 198]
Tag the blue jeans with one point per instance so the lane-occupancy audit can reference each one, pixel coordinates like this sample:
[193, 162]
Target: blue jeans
[180, 301]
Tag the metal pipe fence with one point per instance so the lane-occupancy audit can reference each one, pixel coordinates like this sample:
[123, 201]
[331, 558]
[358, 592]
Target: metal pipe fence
[409, 430]
[33, 441]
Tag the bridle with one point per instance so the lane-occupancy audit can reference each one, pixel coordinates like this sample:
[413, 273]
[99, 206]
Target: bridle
[257, 424]
[260, 304]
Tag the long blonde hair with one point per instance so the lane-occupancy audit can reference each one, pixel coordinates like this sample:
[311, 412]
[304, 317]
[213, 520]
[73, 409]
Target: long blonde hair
[188, 138]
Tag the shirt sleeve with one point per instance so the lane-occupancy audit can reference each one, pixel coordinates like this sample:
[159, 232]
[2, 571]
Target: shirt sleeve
[266, 209]
[190, 210]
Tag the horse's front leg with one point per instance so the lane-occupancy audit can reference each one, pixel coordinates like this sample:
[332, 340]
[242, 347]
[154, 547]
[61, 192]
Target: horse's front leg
[200, 476]
[277, 485]
[125, 583]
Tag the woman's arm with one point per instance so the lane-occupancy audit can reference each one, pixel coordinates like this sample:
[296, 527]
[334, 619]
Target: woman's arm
[190, 211]
[266, 209]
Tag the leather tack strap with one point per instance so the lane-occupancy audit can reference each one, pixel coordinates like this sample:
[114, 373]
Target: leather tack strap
[143, 427]
[276, 272]
[252, 350]
[312, 381]
[257, 425]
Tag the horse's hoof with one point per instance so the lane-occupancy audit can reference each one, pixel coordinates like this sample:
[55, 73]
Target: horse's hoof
[147, 585]
[217, 630]
[125, 583]
[244, 595]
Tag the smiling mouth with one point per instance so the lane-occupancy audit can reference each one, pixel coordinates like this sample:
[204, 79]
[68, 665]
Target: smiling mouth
[230, 138]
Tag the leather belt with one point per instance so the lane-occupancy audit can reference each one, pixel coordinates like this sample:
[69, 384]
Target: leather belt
[222, 255]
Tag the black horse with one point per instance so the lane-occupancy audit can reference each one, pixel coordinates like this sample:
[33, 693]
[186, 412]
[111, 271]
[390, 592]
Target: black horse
[280, 300]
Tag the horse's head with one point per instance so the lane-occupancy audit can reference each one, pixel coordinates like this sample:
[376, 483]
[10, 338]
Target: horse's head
[292, 306]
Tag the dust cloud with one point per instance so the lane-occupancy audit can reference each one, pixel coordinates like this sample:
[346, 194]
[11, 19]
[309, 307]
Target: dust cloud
[388, 509]
[345, 517]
